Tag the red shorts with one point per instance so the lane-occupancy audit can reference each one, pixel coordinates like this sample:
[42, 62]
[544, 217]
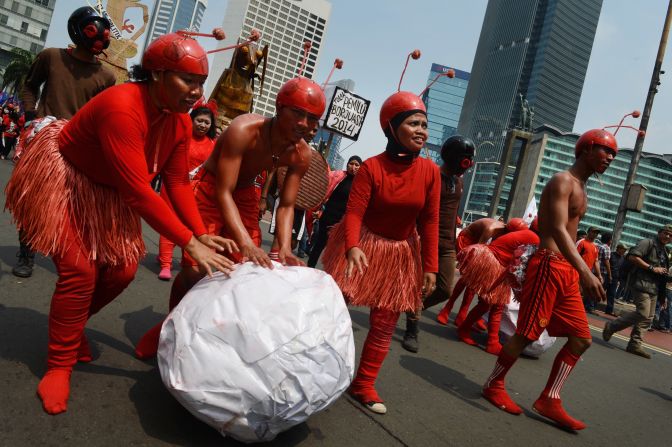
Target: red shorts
[246, 200]
[550, 299]
[464, 240]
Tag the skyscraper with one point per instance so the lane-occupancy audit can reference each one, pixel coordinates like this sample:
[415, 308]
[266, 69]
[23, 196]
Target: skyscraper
[284, 26]
[444, 104]
[532, 52]
[172, 15]
[24, 25]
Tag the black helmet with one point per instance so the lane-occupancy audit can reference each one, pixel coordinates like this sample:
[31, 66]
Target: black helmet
[457, 154]
[88, 29]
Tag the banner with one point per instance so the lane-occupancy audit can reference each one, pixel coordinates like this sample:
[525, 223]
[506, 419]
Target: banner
[346, 113]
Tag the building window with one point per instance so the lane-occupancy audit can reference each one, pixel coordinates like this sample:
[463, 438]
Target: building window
[15, 6]
[43, 34]
[34, 48]
[44, 3]
[3, 19]
[24, 27]
[29, 11]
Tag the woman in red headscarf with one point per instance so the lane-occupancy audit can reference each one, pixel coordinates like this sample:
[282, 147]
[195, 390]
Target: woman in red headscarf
[88, 219]
[375, 254]
[202, 143]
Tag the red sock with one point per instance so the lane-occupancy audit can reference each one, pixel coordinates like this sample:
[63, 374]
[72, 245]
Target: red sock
[562, 365]
[464, 330]
[84, 351]
[54, 390]
[464, 307]
[494, 390]
[494, 320]
[149, 343]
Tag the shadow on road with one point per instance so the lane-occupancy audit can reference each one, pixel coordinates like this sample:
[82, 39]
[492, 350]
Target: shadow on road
[449, 380]
[8, 256]
[24, 333]
[658, 393]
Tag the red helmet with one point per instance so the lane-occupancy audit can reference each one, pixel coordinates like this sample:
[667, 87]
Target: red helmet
[599, 137]
[516, 224]
[397, 103]
[302, 93]
[176, 52]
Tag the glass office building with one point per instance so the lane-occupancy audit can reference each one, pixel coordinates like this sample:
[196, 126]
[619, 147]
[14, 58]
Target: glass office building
[444, 104]
[604, 194]
[529, 51]
[173, 15]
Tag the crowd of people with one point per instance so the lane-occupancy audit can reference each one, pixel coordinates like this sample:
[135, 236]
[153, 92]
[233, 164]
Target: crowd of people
[386, 229]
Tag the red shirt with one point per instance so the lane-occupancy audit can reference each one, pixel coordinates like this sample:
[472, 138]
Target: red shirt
[391, 199]
[588, 252]
[504, 246]
[122, 140]
[199, 151]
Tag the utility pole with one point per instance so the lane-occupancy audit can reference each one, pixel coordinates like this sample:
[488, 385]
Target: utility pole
[644, 123]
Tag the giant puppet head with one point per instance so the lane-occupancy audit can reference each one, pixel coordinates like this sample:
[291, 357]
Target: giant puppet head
[89, 30]
[457, 154]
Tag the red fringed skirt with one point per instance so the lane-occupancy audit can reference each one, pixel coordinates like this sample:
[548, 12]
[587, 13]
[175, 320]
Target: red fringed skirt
[483, 273]
[393, 279]
[45, 192]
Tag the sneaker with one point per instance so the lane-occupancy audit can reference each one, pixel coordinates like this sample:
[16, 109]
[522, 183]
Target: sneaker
[165, 275]
[637, 350]
[376, 407]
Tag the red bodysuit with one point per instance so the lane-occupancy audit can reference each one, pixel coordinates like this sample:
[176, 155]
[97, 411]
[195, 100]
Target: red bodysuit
[126, 156]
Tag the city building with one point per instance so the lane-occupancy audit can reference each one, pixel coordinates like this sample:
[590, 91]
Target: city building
[529, 68]
[172, 15]
[444, 104]
[284, 25]
[554, 152]
[24, 24]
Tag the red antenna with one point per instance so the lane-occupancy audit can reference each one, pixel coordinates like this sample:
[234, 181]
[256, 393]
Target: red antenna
[634, 114]
[254, 37]
[306, 48]
[415, 54]
[338, 63]
[450, 73]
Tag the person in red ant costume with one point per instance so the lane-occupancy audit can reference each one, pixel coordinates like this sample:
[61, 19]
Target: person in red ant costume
[227, 197]
[88, 219]
[374, 254]
[200, 148]
[484, 269]
[479, 232]
[550, 298]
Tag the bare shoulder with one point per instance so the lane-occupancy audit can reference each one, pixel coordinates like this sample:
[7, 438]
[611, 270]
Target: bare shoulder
[242, 133]
[562, 182]
[305, 153]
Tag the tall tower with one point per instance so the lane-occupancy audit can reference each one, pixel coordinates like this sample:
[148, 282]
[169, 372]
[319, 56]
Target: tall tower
[444, 101]
[533, 51]
[172, 15]
[284, 26]
[24, 25]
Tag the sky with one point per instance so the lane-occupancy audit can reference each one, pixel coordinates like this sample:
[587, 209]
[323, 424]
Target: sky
[373, 37]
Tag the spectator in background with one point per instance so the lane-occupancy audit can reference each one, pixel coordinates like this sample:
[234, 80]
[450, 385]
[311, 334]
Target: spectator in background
[580, 235]
[603, 245]
[588, 251]
[647, 284]
[615, 262]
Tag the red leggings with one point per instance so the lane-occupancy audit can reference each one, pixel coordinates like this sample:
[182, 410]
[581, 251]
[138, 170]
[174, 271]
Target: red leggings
[382, 324]
[83, 288]
[166, 246]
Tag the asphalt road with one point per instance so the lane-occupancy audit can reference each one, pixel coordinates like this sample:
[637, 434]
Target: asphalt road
[433, 397]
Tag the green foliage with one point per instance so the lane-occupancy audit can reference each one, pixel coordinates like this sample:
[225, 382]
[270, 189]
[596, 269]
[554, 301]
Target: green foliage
[16, 71]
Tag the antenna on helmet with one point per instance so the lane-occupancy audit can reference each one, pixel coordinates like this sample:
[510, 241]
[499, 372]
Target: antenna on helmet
[338, 63]
[634, 114]
[415, 54]
[306, 48]
[450, 73]
[254, 36]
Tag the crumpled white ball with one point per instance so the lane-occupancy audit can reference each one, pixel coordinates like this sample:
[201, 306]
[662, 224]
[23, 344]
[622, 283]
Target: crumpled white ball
[257, 353]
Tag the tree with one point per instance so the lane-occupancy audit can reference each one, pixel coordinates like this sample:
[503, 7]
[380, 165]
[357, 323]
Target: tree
[17, 69]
